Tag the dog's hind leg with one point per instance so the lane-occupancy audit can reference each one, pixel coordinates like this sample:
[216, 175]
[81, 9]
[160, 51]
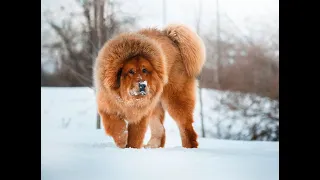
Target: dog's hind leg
[158, 136]
[180, 105]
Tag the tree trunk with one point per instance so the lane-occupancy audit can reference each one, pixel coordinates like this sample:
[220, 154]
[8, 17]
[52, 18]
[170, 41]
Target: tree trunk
[218, 60]
[200, 88]
[201, 113]
[99, 26]
[98, 121]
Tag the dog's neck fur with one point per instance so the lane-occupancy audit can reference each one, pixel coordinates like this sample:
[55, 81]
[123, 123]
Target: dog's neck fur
[133, 110]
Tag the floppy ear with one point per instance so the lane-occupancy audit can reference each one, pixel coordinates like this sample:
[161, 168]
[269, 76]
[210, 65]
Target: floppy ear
[112, 78]
[117, 85]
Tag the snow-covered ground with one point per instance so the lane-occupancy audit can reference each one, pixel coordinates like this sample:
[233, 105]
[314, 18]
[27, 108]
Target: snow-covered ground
[73, 149]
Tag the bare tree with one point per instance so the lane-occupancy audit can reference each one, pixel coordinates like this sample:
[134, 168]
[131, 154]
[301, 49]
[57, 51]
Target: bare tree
[246, 66]
[198, 20]
[218, 61]
[78, 45]
[251, 69]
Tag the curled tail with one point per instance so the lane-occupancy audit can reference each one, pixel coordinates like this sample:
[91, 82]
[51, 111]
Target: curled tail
[190, 45]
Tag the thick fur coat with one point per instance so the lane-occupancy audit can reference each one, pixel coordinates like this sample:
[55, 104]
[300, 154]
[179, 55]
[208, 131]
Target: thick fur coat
[140, 75]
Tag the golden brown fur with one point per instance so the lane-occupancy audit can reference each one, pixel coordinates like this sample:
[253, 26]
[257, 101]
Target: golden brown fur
[169, 61]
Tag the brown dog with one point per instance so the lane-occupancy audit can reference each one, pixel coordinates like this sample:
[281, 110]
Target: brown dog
[139, 75]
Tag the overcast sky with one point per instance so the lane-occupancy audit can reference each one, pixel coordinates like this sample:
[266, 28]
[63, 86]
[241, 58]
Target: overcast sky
[242, 13]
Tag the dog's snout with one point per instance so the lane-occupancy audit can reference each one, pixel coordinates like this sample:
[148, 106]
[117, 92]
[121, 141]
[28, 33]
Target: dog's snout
[142, 87]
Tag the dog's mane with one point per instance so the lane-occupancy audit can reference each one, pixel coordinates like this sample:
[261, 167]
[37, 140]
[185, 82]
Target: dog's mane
[122, 48]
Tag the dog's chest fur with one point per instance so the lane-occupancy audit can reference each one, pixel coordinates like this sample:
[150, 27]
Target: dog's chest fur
[132, 112]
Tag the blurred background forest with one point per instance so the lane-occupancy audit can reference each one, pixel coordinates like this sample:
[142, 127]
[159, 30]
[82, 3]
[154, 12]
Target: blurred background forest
[239, 85]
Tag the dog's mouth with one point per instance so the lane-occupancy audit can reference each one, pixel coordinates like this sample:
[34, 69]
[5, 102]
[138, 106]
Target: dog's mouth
[139, 90]
[137, 93]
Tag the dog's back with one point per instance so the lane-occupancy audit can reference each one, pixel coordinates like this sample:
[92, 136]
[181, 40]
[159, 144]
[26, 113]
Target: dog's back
[179, 42]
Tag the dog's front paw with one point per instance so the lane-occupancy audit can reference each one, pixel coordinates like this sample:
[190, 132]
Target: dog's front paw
[150, 146]
[122, 140]
[153, 143]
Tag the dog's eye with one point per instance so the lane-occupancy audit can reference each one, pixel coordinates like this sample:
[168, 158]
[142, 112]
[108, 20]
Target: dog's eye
[144, 70]
[131, 71]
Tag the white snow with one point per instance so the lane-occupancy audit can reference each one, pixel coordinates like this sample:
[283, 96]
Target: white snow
[71, 148]
[144, 82]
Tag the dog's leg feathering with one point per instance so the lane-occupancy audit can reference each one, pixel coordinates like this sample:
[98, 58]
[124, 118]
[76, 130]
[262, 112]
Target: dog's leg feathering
[158, 135]
[181, 110]
[116, 128]
[136, 133]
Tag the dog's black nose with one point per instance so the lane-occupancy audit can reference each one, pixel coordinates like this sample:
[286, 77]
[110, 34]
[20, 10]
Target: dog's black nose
[142, 87]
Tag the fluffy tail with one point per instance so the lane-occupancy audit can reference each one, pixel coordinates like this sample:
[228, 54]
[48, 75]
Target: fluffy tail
[191, 47]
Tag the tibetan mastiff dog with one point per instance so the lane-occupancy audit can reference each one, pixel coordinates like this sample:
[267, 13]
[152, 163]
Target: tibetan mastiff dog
[140, 75]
